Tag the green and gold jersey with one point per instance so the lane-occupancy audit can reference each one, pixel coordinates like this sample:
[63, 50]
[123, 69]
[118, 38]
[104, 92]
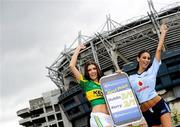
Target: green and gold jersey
[93, 91]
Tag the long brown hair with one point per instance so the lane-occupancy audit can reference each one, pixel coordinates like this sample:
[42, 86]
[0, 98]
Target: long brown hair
[86, 74]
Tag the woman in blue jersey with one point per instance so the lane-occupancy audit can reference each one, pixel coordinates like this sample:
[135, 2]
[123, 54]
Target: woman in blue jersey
[155, 110]
[90, 84]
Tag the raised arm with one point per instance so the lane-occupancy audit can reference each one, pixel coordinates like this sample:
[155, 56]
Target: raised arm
[73, 62]
[163, 30]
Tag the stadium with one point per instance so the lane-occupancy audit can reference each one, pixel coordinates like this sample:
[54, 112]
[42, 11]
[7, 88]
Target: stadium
[116, 46]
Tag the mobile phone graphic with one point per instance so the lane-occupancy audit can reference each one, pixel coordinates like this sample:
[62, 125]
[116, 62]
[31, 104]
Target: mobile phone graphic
[120, 99]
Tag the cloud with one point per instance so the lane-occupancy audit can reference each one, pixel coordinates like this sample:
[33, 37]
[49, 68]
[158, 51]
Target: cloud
[29, 24]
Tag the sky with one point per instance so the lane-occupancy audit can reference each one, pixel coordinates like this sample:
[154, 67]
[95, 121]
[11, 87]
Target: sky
[33, 34]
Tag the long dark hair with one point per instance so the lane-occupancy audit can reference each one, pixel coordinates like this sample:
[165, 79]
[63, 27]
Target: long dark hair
[139, 55]
[86, 74]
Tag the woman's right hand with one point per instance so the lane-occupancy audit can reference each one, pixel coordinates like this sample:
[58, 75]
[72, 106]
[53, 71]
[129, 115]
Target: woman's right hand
[119, 71]
[73, 61]
[80, 47]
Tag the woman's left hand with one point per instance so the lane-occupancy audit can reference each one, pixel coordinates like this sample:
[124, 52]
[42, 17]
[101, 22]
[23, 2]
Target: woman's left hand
[163, 28]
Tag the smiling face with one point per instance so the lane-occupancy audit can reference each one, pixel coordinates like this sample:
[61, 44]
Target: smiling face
[144, 61]
[92, 71]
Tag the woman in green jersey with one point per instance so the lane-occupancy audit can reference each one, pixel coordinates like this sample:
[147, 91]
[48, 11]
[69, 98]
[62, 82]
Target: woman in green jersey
[90, 85]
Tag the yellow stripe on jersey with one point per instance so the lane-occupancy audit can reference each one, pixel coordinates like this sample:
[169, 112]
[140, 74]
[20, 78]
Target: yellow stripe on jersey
[82, 78]
[97, 83]
[94, 94]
